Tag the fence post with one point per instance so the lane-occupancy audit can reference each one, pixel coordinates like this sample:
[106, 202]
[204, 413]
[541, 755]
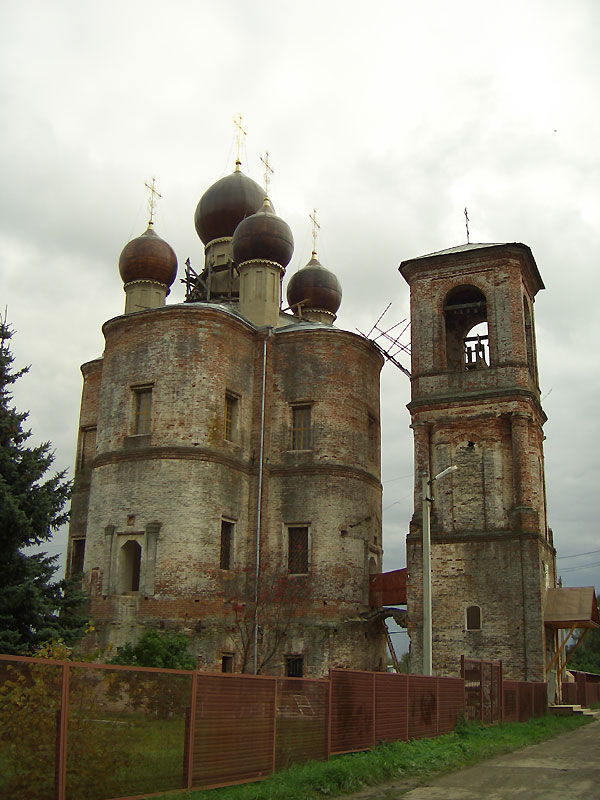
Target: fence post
[61, 736]
[437, 706]
[192, 730]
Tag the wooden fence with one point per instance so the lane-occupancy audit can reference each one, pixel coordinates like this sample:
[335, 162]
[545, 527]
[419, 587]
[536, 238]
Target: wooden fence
[70, 730]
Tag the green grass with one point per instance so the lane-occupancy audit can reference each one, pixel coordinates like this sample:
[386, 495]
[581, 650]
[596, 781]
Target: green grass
[413, 761]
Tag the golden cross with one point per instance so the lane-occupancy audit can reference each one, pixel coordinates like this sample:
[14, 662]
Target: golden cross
[268, 171]
[315, 228]
[237, 121]
[152, 199]
[467, 224]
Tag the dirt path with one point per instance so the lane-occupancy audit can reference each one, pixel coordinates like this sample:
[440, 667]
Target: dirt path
[564, 768]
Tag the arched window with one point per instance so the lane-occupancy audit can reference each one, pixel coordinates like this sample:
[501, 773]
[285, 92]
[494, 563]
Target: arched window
[130, 559]
[373, 570]
[473, 618]
[467, 340]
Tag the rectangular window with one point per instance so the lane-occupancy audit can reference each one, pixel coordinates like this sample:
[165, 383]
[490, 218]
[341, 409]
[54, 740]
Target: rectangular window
[231, 416]
[143, 409]
[77, 556]
[227, 528]
[372, 435]
[294, 666]
[227, 662]
[301, 428]
[298, 550]
[88, 446]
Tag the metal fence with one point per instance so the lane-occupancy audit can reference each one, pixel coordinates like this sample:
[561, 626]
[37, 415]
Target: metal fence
[585, 691]
[73, 731]
[523, 700]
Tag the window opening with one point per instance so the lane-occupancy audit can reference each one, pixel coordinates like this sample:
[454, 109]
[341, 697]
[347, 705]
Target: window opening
[467, 345]
[473, 618]
[301, 428]
[131, 559]
[298, 550]
[372, 437]
[143, 408]
[226, 560]
[227, 662]
[231, 414]
[529, 337]
[88, 446]
[294, 666]
[77, 556]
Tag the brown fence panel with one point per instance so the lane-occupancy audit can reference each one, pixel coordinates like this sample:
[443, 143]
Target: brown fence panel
[422, 706]
[30, 702]
[234, 737]
[302, 718]
[540, 699]
[352, 710]
[126, 731]
[510, 693]
[451, 703]
[391, 707]
[525, 701]
[569, 693]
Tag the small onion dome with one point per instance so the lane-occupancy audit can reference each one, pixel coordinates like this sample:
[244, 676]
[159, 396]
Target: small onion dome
[315, 287]
[148, 258]
[263, 237]
[225, 204]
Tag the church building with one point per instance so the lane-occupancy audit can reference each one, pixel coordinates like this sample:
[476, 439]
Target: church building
[228, 462]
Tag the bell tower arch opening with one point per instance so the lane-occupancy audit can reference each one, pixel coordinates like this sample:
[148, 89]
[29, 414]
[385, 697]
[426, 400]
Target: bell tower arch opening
[466, 325]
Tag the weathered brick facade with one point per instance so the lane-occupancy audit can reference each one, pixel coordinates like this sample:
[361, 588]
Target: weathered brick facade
[169, 490]
[491, 548]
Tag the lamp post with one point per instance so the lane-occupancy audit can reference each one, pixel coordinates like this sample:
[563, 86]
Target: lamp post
[427, 624]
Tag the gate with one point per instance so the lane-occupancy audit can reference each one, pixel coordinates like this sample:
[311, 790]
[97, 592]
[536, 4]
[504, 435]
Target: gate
[483, 689]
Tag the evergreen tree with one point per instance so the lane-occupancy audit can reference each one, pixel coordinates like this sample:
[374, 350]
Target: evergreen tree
[33, 608]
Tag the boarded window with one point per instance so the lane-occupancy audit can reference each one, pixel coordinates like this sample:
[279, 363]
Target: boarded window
[294, 666]
[226, 560]
[473, 618]
[298, 550]
[77, 556]
[143, 409]
[301, 428]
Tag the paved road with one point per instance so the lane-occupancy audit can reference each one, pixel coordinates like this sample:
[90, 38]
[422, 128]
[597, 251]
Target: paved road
[564, 768]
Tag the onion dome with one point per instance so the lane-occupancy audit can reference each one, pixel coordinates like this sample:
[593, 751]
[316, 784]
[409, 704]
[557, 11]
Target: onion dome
[148, 258]
[263, 237]
[225, 204]
[315, 287]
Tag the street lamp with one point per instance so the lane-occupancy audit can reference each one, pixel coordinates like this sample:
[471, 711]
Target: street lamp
[427, 626]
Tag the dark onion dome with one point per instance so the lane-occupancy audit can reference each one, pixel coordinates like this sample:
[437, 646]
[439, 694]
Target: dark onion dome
[225, 204]
[316, 286]
[148, 258]
[263, 237]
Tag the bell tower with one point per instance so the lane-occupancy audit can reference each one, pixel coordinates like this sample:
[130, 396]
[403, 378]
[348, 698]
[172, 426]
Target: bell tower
[475, 405]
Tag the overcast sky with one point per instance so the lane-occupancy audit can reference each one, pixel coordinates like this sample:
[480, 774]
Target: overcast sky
[388, 118]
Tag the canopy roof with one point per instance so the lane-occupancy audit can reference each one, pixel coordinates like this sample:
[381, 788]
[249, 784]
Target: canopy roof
[573, 607]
